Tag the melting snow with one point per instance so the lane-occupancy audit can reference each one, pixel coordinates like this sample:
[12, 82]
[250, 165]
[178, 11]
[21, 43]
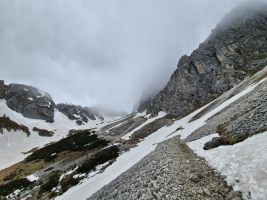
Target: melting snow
[13, 143]
[128, 135]
[244, 164]
[77, 116]
[33, 178]
[128, 159]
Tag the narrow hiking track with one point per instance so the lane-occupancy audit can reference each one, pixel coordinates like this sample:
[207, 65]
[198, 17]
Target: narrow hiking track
[172, 171]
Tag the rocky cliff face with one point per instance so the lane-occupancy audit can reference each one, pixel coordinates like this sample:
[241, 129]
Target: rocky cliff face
[29, 101]
[36, 104]
[78, 113]
[236, 49]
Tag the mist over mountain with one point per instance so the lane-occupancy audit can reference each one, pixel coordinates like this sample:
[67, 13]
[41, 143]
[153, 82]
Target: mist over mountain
[235, 50]
[97, 53]
[197, 130]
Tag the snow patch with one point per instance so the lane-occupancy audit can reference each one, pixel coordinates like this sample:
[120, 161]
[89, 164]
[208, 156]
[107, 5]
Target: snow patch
[244, 164]
[142, 114]
[92, 184]
[20, 142]
[128, 135]
[77, 116]
[32, 178]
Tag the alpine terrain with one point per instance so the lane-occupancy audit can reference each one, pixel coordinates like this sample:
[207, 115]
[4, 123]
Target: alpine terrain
[203, 136]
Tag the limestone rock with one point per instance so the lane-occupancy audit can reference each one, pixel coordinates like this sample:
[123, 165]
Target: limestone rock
[78, 113]
[236, 48]
[29, 101]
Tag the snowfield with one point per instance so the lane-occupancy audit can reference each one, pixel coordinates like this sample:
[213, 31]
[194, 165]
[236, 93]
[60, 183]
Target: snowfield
[14, 143]
[92, 184]
[244, 164]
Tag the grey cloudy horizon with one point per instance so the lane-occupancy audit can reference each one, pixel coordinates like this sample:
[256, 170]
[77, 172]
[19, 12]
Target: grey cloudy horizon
[101, 53]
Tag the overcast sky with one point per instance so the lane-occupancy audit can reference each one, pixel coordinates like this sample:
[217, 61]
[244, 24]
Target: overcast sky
[97, 52]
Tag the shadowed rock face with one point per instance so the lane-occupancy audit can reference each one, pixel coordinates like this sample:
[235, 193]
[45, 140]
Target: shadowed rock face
[29, 101]
[236, 49]
[78, 113]
[36, 104]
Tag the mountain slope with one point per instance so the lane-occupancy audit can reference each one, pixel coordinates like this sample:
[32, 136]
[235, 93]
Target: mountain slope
[236, 49]
[29, 119]
[183, 127]
[121, 158]
[78, 113]
[29, 101]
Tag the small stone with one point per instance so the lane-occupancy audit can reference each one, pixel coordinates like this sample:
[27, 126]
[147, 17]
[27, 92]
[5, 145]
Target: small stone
[206, 191]
[200, 191]
[194, 178]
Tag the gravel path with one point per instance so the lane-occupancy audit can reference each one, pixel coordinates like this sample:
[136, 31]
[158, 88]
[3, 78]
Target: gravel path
[172, 171]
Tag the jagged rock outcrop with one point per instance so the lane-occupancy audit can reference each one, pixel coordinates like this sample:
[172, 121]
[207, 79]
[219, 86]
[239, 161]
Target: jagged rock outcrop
[29, 101]
[236, 49]
[78, 113]
[36, 104]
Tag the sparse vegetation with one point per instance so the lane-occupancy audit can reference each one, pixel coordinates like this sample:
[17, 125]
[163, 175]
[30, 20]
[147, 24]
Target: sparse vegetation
[10, 176]
[8, 124]
[10, 187]
[99, 158]
[52, 182]
[68, 182]
[43, 132]
[80, 141]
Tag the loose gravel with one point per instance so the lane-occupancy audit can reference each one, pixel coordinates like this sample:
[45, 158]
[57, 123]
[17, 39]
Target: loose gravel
[172, 171]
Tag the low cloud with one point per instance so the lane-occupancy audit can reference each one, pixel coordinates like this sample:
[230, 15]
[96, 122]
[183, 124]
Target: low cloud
[99, 52]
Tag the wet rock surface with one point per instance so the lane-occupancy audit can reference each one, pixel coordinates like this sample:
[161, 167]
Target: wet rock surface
[235, 49]
[172, 171]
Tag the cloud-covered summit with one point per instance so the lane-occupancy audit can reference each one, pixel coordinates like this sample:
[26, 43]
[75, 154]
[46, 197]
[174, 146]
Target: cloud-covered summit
[101, 52]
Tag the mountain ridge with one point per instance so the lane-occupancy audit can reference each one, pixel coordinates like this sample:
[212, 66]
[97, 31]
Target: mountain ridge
[230, 54]
[207, 142]
[34, 103]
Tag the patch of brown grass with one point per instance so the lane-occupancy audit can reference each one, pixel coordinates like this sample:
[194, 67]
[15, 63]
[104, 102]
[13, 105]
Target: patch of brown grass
[19, 170]
[23, 169]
